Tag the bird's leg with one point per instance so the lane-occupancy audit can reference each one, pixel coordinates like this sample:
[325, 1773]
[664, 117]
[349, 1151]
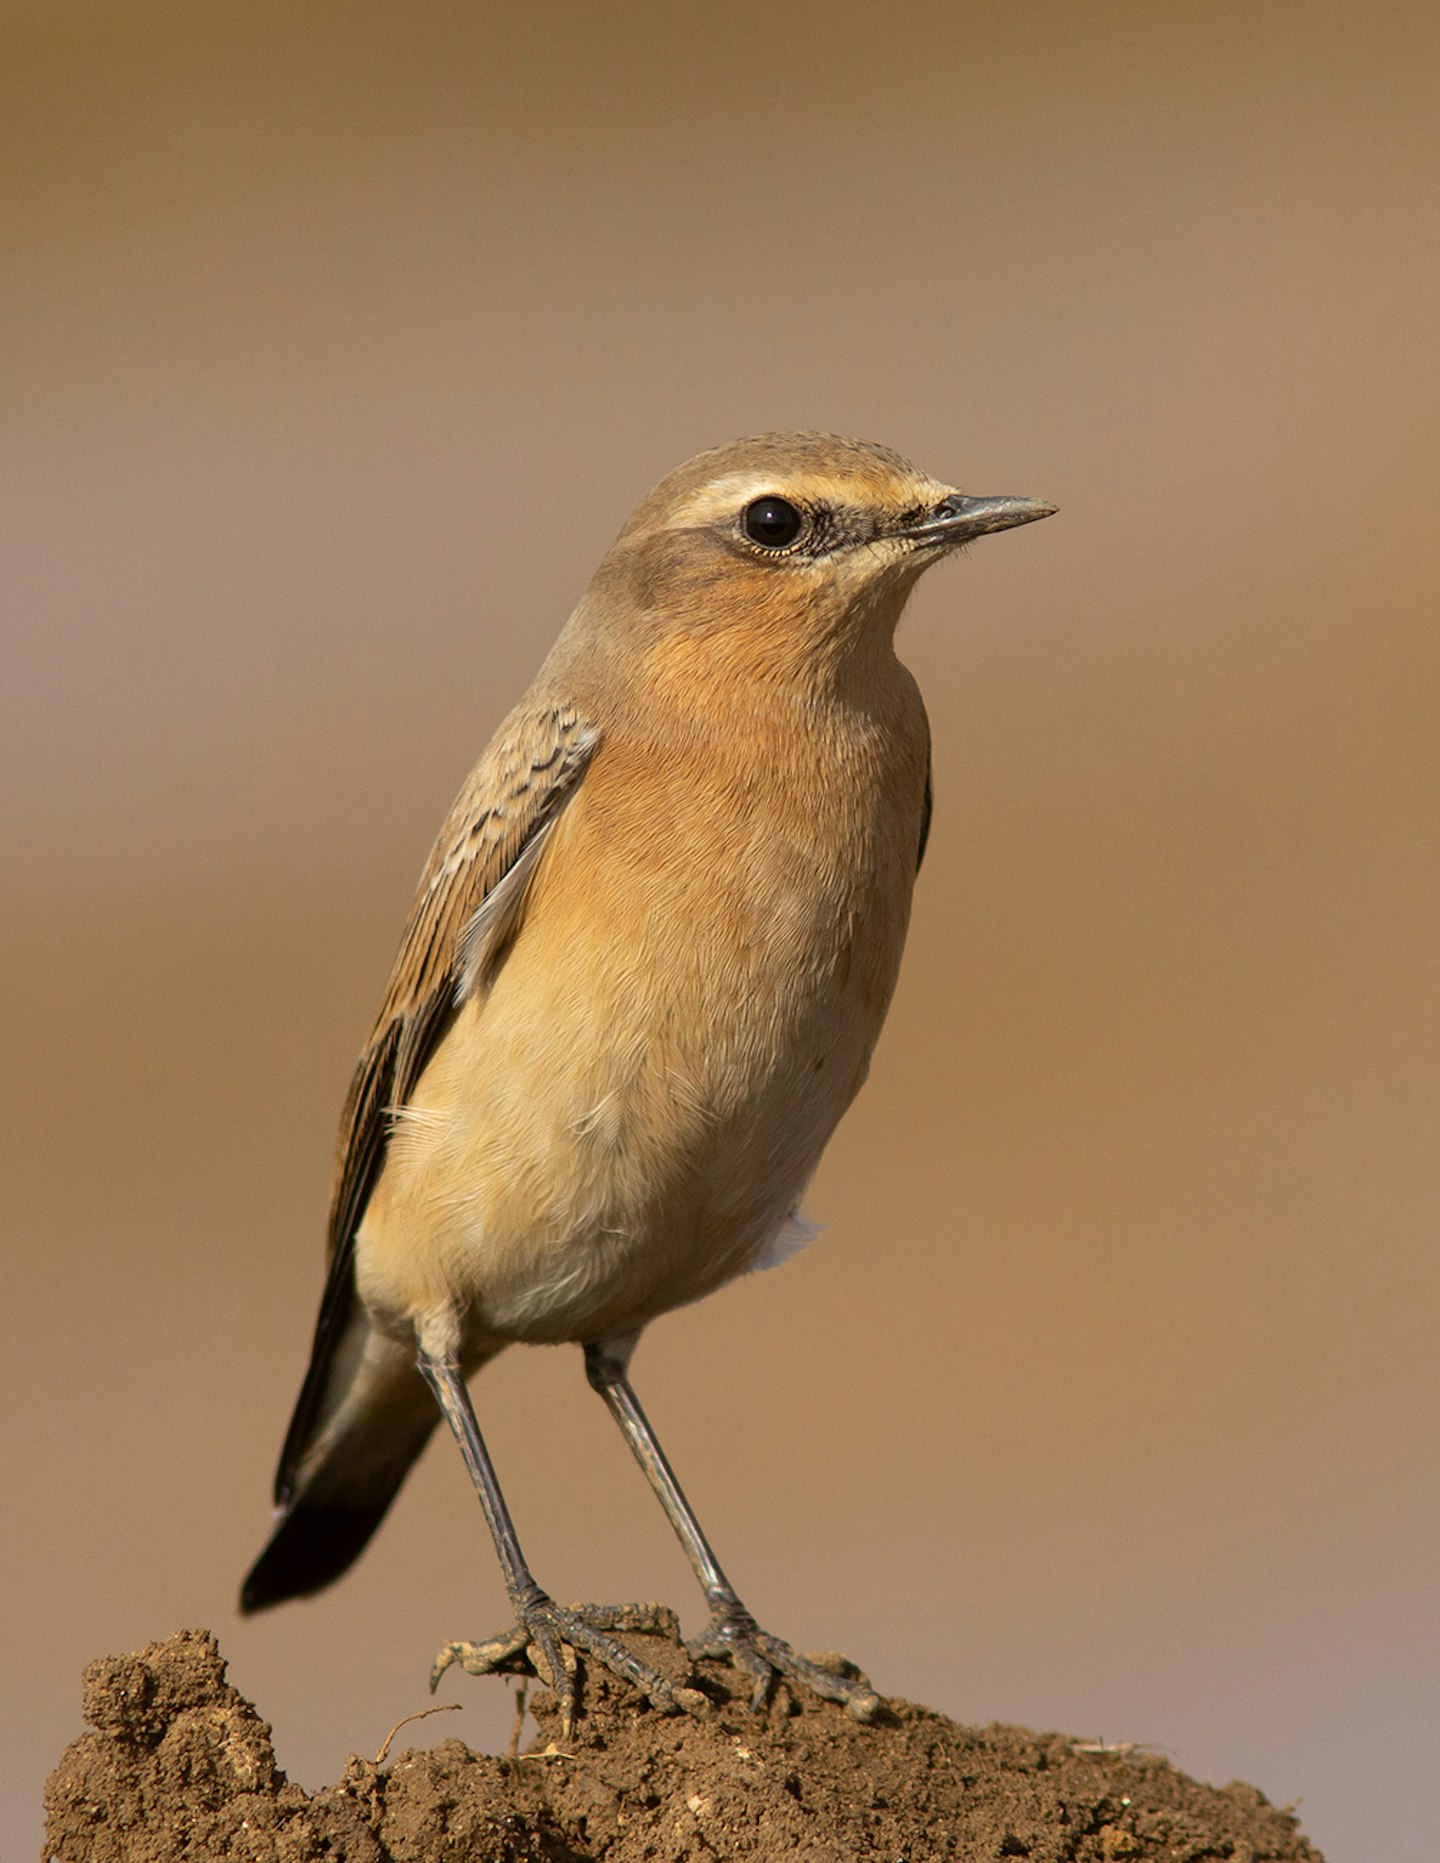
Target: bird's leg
[546, 1635]
[732, 1633]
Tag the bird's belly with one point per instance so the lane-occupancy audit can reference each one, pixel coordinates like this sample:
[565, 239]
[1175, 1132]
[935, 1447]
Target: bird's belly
[588, 1149]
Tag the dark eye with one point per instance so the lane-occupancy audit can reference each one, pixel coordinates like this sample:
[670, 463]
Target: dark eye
[773, 522]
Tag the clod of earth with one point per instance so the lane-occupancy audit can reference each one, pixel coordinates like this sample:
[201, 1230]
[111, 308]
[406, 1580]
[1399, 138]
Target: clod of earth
[179, 1765]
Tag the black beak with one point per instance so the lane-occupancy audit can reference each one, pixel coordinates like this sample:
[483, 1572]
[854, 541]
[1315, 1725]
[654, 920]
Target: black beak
[957, 519]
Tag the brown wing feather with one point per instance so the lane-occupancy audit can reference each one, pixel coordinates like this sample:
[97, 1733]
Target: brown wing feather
[927, 806]
[465, 906]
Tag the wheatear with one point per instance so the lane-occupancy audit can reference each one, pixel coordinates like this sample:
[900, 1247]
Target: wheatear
[642, 980]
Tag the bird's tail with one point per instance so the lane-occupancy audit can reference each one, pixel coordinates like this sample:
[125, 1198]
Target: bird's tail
[373, 1414]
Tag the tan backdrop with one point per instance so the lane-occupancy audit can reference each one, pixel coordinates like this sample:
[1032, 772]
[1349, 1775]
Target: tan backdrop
[338, 341]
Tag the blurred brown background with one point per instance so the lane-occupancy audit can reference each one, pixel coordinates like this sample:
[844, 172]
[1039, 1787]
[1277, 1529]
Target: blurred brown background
[339, 340]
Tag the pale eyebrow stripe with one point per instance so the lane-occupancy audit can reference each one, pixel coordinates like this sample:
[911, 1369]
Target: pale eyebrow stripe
[721, 497]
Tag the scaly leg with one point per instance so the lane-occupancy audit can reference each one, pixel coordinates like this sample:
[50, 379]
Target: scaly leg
[543, 1628]
[732, 1633]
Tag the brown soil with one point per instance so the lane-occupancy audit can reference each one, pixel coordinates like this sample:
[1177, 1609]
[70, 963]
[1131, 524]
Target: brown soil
[179, 1765]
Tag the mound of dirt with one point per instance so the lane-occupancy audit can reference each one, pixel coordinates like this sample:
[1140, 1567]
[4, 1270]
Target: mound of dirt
[179, 1765]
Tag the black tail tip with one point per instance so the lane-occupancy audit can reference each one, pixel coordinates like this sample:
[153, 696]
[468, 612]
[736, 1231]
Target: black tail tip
[253, 1594]
[309, 1549]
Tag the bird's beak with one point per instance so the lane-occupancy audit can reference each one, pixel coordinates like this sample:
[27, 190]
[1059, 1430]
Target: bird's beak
[956, 519]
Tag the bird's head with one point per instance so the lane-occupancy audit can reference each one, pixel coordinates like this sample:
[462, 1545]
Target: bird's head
[790, 552]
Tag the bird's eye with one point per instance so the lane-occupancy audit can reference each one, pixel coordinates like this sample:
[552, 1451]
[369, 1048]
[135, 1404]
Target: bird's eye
[773, 522]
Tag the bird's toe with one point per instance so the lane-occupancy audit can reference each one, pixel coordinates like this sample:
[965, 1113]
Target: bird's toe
[549, 1638]
[733, 1636]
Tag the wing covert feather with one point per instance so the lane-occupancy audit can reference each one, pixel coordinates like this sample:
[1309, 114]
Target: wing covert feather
[472, 884]
[470, 892]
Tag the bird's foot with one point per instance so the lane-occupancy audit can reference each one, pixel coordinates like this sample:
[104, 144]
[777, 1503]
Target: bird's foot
[549, 1637]
[733, 1636]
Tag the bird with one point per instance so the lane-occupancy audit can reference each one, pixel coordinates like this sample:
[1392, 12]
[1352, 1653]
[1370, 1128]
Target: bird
[641, 981]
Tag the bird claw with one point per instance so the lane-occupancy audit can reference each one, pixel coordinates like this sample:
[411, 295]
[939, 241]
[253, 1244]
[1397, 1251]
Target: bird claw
[549, 1638]
[733, 1636]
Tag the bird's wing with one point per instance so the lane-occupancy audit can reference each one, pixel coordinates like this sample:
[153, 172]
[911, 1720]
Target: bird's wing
[927, 806]
[472, 886]
[464, 911]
